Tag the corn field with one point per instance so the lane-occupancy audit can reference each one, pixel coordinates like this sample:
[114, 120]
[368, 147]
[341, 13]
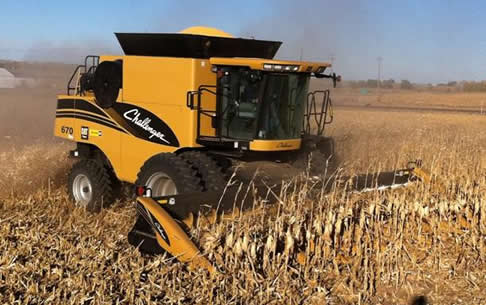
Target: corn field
[337, 247]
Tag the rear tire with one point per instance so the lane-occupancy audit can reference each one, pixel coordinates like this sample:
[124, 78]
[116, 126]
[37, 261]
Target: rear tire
[208, 169]
[168, 174]
[91, 185]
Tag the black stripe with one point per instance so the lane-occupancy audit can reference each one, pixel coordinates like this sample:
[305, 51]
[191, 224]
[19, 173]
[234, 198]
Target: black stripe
[90, 107]
[81, 105]
[77, 113]
[89, 118]
[65, 104]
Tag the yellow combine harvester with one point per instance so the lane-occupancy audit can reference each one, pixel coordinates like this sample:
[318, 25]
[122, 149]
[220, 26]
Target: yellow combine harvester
[173, 112]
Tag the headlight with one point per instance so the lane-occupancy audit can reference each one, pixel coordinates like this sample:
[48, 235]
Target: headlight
[267, 67]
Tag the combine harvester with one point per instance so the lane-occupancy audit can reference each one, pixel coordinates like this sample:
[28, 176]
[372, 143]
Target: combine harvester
[173, 114]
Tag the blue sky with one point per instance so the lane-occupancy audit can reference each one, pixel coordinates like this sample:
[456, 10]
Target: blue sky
[424, 41]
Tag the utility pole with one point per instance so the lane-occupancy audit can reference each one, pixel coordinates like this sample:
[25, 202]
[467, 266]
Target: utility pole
[301, 53]
[379, 59]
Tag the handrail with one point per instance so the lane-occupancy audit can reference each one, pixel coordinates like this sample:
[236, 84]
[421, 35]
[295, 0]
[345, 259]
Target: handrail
[69, 88]
[95, 60]
[320, 116]
[200, 111]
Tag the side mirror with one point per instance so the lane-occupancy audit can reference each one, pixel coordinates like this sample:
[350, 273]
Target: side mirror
[335, 79]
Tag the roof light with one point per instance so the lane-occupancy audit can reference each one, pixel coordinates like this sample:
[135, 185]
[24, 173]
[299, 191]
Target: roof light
[287, 68]
[267, 67]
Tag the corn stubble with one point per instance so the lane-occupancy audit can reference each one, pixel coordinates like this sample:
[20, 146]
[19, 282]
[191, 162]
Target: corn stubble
[380, 247]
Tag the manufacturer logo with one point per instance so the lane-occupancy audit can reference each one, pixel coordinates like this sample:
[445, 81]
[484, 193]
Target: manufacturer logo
[144, 124]
[84, 133]
[95, 133]
[161, 231]
[133, 116]
[284, 145]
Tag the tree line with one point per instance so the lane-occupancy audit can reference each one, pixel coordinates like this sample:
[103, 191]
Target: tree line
[465, 86]
[386, 84]
[474, 86]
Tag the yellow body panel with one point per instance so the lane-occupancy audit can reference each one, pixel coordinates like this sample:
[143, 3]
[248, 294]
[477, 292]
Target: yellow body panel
[157, 80]
[135, 151]
[160, 84]
[105, 138]
[275, 145]
[257, 63]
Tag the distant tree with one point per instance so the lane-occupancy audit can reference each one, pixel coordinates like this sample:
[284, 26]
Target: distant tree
[388, 84]
[452, 84]
[405, 84]
[475, 86]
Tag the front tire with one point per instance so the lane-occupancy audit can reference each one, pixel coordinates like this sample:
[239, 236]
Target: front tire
[167, 174]
[90, 185]
[208, 169]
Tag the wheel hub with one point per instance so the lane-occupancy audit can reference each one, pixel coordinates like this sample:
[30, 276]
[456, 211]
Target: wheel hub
[161, 185]
[82, 190]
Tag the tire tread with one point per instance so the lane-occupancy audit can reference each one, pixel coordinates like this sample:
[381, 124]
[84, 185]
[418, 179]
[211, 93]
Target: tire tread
[102, 183]
[211, 173]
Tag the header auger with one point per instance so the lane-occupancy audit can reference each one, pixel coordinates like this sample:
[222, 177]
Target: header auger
[173, 116]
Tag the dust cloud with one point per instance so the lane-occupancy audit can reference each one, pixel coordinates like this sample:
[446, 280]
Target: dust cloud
[316, 31]
[27, 112]
[69, 51]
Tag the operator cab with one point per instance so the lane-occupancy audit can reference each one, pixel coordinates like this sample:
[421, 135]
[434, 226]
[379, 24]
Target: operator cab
[260, 105]
[263, 104]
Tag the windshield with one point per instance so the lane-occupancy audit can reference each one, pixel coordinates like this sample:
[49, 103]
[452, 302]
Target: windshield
[257, 105]
[283, 109]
